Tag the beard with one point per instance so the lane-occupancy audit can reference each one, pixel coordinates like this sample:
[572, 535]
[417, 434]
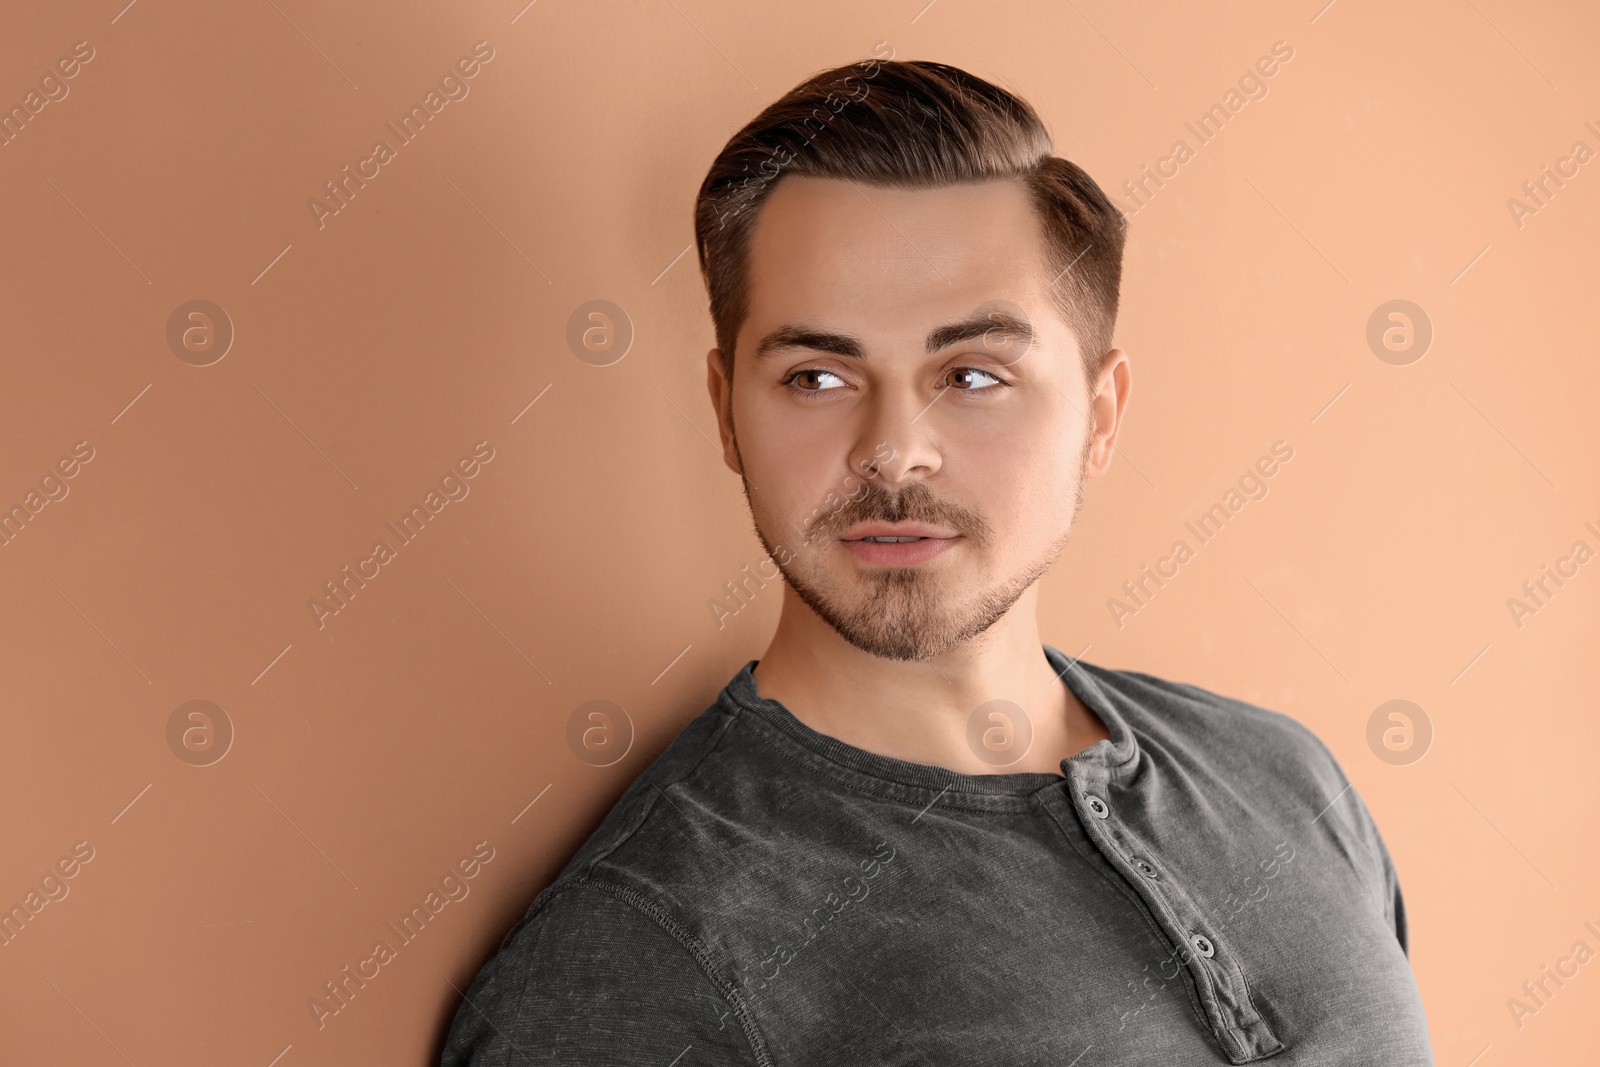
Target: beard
[905, 613]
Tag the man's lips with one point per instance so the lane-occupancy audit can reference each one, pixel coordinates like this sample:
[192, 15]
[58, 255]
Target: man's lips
[902, 544]
[897, 529]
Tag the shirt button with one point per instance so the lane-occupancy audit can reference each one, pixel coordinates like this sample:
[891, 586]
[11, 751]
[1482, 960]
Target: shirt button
[1203, 945]
[1097, 805]
[1144, 865]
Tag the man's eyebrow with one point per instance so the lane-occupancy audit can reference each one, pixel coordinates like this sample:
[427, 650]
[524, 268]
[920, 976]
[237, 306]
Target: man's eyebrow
[1003, 326]
[788, 337]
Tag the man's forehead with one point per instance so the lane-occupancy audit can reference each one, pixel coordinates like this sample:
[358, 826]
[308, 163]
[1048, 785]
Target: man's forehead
[832, 227]
[890, 260]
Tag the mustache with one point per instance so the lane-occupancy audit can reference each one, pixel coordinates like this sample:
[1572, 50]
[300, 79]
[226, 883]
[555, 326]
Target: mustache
[915, 503]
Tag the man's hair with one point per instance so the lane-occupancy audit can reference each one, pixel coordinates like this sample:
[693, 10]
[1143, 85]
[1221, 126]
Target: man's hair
[911, 124]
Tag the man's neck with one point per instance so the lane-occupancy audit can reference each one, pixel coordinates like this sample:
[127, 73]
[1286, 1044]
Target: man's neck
[919, 711]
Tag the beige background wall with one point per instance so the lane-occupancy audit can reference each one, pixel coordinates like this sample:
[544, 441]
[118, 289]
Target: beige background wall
[374, 751]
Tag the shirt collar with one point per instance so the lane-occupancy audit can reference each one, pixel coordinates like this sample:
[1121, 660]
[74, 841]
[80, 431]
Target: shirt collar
[1102, 759]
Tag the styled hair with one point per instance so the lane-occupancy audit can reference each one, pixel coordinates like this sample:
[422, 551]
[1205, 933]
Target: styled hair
[910, 124]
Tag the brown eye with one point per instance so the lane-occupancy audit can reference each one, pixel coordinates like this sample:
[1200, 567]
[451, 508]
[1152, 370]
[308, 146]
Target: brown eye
[963, 378]
[801, 381]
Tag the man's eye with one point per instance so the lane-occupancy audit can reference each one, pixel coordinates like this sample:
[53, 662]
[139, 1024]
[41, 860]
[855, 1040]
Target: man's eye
[970, 385]
[812, 373]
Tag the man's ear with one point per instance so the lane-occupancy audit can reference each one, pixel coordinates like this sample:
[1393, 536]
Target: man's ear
[1113, 386]
[721, 390]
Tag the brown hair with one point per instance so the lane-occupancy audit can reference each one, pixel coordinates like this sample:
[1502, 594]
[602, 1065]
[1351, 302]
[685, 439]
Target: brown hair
[910, 124]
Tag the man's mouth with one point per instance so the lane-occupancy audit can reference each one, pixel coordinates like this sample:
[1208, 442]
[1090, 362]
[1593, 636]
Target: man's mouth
[898, 544]
[897, 532]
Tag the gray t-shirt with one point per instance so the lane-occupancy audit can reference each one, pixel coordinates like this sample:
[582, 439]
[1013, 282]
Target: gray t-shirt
[1204, 887]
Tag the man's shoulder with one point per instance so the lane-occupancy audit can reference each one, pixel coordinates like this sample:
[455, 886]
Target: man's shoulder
[1276, 760]
[594, 970]
[612, 953]
[595, 913]
[1217, 726]
[711, 794]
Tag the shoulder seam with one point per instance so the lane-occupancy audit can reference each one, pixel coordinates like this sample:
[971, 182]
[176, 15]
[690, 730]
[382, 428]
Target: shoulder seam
[659, 916]
[712, 743]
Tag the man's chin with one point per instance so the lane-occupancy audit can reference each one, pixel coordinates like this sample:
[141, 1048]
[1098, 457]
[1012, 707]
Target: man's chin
[877, 640]
[876, 620]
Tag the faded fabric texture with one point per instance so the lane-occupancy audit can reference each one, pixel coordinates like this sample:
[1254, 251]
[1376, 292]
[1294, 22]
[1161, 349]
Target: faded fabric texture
[1203, 888]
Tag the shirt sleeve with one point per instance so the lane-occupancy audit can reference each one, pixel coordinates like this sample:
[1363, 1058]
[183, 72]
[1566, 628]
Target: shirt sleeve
[1394, 900]
[590, 979]
[1397, 905]
[1394, 905]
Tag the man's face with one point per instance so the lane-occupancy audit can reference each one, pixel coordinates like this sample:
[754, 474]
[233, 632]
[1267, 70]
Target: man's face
[855, 405]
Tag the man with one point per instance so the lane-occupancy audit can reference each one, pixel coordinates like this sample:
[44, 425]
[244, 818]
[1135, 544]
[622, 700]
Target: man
[911, 833]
